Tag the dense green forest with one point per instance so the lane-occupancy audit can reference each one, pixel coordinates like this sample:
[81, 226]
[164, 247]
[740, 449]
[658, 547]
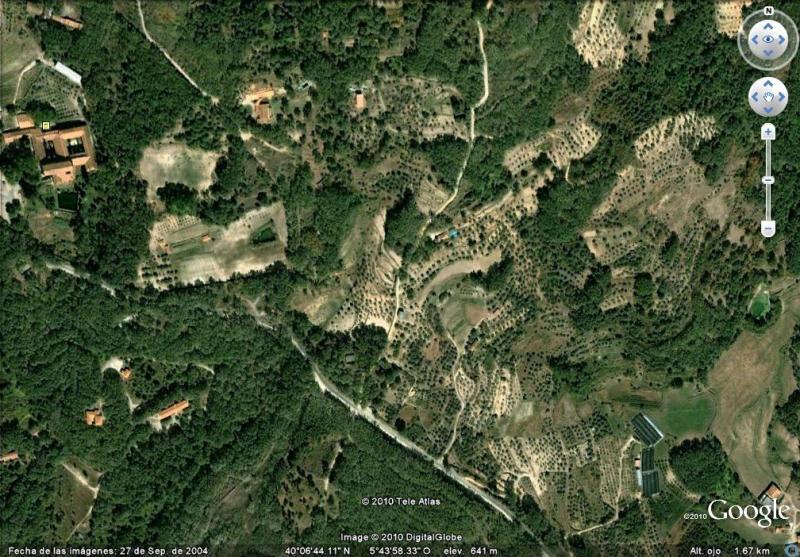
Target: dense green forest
[403, 221]
[446, 154]
[250, 462]
[253, 407]
[253, 404]
[19, 166]
[178, 198]
[703, 468]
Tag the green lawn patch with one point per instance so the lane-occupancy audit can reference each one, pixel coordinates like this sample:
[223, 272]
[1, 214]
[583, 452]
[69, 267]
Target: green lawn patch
[685, 412]
[760, 305]
[264, 234]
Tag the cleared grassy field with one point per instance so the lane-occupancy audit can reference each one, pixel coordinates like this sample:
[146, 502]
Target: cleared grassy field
[460, 313]
[18, 49]
[200, 252]
[319, 305]
[685, 413]
[275, 162]
[526, 420]
[760, 304]
[622, 391]
[749, 379]
[544, 336]
[164, 20]
[750, 531]
[77, 490]
[48, 227]
[783, 445]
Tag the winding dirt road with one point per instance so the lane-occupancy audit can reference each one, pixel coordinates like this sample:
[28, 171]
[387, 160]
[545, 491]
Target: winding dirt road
[619, 492]
[188, 78]
[26, 69]
[472, 110]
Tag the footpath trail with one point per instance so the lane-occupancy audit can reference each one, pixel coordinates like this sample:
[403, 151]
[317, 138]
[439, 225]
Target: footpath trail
[246, 136]
[462, 403]
[486, 89]
[26, 69]
[397, 292]
[80, 479]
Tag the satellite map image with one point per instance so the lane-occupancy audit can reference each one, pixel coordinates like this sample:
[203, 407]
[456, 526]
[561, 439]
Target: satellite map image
[399, 277]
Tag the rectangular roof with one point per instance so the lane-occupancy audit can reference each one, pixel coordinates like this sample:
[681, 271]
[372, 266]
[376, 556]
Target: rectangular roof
[773, 491]
[69, 73]
[650, 484]
[67, 21]
[645, 430]
[648, 459]
[174, 409]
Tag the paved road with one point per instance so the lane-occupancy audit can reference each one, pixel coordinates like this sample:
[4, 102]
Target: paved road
[365, 412]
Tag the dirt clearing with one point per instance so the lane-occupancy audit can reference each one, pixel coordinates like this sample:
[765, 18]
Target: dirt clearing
[176, 162]
[185, 250]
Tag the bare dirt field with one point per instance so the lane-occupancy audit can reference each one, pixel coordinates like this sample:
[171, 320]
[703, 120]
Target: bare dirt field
[178, 163]
[608, 31]
[115, 362]
[728, 15]
[8, 193]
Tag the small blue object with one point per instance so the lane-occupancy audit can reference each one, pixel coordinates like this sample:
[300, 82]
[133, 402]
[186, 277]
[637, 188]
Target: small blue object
[791, 550]
[453, 233]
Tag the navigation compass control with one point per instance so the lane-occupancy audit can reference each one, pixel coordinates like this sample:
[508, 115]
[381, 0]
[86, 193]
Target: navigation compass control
[768, 39]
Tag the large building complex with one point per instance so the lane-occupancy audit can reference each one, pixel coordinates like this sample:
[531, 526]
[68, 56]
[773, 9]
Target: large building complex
[61, 150]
